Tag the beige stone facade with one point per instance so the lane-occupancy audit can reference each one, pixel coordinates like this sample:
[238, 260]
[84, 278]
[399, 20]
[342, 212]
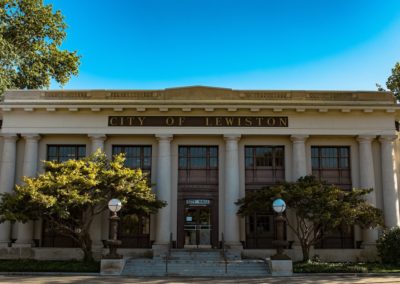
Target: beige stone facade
[231, 121]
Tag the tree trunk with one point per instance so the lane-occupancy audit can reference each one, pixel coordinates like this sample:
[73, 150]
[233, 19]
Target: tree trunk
[86, 246]
[305, 248]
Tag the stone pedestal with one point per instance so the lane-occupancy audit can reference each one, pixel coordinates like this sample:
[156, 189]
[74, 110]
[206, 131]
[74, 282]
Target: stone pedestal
[112, 266]
[281, 267]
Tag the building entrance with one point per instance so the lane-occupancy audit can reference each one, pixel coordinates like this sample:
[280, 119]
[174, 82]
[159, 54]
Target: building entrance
[197, 224]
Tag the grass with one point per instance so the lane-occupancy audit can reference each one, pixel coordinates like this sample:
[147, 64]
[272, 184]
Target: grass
[344, 267]
[28, 265]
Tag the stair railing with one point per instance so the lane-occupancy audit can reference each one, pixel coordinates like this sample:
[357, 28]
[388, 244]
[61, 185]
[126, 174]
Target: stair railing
[168, 254]
[224, 252]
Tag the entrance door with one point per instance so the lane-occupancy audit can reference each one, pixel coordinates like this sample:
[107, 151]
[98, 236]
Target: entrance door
[197, 226]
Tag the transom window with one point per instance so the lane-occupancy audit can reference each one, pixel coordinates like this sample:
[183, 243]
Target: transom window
[137, 157]
[332, 164]
[264, 165]
[198, 164]
[62, 153]
[198, 157]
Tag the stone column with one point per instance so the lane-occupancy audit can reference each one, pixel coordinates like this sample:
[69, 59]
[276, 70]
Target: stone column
[25, 230]
[232, 193]
[99, 227]
[389, 182]
[163, 185]
[299, 169]
[7, 179]
[97, 142]
[299, 161]
[367, 178]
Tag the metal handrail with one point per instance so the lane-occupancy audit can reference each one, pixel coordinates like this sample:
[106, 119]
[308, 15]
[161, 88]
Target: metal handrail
[224, 252]
[168, 254]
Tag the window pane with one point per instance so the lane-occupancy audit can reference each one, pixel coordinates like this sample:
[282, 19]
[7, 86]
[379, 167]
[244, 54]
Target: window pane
[249, 152]
[52, 151]
[249, 162]
[182, 163]
[117, 150]
[344, 163]
[183, 151]
[213, 162]
[213, 152]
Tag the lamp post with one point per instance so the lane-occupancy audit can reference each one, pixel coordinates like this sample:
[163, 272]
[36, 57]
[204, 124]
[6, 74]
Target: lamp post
[114, 205]
[279, 207]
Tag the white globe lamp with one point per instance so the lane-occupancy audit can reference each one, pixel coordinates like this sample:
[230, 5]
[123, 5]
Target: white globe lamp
[279, 205]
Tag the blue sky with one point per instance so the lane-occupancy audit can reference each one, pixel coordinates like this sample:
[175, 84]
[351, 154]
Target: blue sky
[241, 44]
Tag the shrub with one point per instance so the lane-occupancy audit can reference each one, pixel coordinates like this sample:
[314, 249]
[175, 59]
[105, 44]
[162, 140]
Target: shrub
[388, 246]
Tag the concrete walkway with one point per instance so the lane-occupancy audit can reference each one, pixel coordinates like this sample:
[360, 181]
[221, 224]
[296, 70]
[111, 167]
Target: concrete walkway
[303, 279]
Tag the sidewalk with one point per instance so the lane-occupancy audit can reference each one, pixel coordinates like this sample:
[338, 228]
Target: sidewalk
[303, 279]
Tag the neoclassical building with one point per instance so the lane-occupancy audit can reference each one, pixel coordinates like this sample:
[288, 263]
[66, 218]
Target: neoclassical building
[204, 148]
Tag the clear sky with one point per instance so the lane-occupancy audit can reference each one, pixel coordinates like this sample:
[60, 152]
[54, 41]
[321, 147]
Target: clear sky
[241, 44]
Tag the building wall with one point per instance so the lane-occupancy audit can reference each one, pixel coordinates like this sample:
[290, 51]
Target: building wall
[328, 125]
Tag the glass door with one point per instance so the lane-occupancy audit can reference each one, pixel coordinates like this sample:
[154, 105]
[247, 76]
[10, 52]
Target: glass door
[197, 226]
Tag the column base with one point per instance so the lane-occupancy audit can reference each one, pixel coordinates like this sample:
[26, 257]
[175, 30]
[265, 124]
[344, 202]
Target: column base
[4, 244]
[160, 250]
[234, 245]
[22, 244]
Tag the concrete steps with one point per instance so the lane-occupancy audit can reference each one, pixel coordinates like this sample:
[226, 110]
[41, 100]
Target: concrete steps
[196, 263]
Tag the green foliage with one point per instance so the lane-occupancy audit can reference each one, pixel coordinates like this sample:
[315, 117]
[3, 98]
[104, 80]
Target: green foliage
[344, 267]
[30, 265]
[318, 207]
[30, 37]
[328, 267]
[70, 194]
[388, 246]
[393, 82]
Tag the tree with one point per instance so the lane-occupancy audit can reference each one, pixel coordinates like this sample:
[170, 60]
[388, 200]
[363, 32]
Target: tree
[319, 207]
[30, 39]
[70, 194]
[393, 82]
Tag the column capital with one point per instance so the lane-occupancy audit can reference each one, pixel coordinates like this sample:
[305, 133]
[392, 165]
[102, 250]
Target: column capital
[101, 137]
[299, 138]
[365, 138]
[11, 137]
[232, 137]
[387, 138]
[31, 136]
[164, 137]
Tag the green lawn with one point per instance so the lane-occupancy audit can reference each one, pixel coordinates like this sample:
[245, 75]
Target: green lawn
[343, 267]
[48, 266]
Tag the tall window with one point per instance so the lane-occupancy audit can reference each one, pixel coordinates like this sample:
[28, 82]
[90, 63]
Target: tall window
[60, 153]
[332, 164]
[264, 165]
[137, 157]
[198, 165]
[134, 231]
